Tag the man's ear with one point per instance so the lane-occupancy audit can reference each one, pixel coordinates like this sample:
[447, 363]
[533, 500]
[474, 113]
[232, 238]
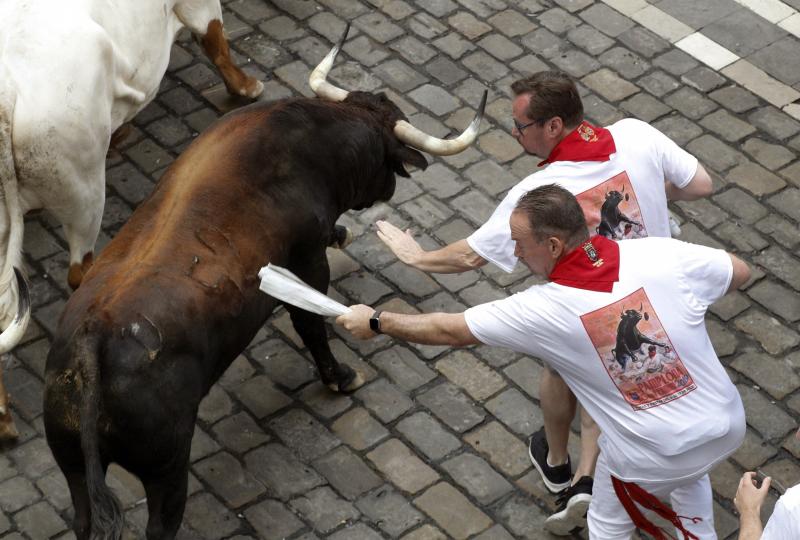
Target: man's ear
[556, 247]
[555, 127]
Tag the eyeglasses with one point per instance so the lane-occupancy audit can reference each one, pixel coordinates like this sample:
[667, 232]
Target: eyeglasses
[521, 127]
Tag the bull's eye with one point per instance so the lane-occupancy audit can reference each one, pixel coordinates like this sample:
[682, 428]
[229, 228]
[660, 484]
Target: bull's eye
[646, 317]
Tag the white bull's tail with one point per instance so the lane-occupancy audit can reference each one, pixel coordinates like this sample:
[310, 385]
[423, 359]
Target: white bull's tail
[12, 283]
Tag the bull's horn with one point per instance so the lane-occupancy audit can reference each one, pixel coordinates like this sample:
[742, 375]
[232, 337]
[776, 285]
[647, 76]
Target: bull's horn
[440, 147]
[13, 334]
[318, 78]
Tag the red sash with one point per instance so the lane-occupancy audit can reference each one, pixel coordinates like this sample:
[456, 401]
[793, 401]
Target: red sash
[628, 492]
[593, 266]
[584, 143]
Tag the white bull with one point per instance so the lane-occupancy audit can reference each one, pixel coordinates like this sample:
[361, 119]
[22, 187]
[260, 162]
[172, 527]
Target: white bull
[71, 73]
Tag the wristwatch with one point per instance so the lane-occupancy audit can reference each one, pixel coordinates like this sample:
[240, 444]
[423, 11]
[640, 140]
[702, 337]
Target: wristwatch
[375, 322]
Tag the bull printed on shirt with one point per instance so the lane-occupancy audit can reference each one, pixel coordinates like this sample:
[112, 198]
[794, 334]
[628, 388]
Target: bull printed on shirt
[612, 209]
[637, 353]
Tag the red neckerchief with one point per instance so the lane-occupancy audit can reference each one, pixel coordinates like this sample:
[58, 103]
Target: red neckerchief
[593, 265]
[584, 143]
[628, 492]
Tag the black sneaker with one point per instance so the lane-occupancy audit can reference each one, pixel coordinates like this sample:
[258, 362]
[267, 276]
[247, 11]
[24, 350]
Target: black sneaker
[573, 503]
[557, 478]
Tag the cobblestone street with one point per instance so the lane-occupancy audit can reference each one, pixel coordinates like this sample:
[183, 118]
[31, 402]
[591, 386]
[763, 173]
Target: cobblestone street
[434, 444]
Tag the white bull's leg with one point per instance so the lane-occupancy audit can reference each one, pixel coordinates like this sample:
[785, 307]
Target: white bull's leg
[81, 230]
[204, 19]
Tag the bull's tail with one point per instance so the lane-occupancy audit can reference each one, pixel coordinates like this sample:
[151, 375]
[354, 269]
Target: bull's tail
[9, 198]
[106, 511]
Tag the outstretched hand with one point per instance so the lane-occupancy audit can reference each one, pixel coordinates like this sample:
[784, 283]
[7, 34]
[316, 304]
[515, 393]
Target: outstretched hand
[401, 243]
[749, 498]
[356, 321]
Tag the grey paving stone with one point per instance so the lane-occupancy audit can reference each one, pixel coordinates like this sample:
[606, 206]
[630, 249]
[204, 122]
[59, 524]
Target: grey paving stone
[454, 45]
[772, 59]
[704, 212]
[753, 452]
[403, 368]
[675, 62]
[768, 331]
[440, 8]
[33, 458]
[714, 153]
[743, 238]
[426, 26]
[452, 407]
[250, 10]
[735, 98]
[691, 103]
[468, 25]
[39, 521]
[359, 531]
[363, 288]
[558, 20]
[413, 50]
[784, 232]
[645, 107]
[727, 125]
[271, 519]
[576, 63]
[484, 66]
[463, 369]
[778, 299]
[54, 487]
[239, 433]
[589, 39]
[500, 47]
[703, 79]
[773, 375]
[698, 16]
[229, 479]
[680, 129]
[525, 373]
[522, 518]
[628, 64]
[774, 122]
[148, 155]
[544, 43]
[324, 509]
[452, 511]
[780, 263]
[303, 434]
[792, 173]
[511, 23]
[771, 156]
[515, 411]
[277, 468]
[428, 435]
[202, 445]
[261, 397]
[323, 401]
[358, 429]
[787, 202]
[743, 32]
[446, 71]
[390, 511]
[658, 83]
[477, 477]
[282, 364]
[401, 467]
[378, 27]
[384, 400]
[474, 206]
[500, 145]
[204, 513]
[607, 20]
[609, 85]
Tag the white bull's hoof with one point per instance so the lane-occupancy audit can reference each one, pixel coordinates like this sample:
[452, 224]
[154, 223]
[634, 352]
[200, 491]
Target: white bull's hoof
[339, 242]
[8, 431]
[355, 384]
[253, 90]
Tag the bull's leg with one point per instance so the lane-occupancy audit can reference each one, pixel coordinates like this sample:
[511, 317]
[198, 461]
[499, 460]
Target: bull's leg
[341, 237]
[336, 376]
[81, 222]
[81, 523]
[216, 48]
[166, 501]
[8, 431]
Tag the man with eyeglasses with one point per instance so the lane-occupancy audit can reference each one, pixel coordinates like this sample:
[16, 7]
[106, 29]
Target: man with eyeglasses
[623, 177]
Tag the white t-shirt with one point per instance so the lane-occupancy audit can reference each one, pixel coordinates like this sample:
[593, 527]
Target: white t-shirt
[644, 159]
[660, 421]
[784, 524]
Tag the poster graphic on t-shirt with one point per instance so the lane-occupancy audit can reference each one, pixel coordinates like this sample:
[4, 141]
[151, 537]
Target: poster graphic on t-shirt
[612, 210]
[637, 353]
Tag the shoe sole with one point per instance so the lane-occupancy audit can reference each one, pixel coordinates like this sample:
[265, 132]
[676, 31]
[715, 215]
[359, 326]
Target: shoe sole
[551, 487]
[570, 518]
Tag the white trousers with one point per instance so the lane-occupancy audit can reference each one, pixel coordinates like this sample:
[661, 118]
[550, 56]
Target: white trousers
[608, 519]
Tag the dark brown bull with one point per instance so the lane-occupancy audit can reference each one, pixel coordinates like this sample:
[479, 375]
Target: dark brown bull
[174, 298]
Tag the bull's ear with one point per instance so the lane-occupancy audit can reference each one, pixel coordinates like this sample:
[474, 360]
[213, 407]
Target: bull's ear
[412, 157]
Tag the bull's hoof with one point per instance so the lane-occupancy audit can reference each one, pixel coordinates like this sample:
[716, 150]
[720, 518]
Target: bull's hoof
[351, 384]
[252, 88]
[342, 237]
[8, 431]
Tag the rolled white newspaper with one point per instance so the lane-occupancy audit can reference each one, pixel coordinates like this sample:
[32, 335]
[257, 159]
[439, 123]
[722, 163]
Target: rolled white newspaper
[287, 287]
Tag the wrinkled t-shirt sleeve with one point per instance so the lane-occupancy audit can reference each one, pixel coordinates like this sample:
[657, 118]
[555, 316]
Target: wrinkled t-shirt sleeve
[706, 271]
[679, 166]
[784, 524]
[492, 240]
[504, 323]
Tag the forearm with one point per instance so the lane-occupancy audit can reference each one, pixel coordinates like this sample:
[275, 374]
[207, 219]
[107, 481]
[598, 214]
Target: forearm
[451, 259]
[429, 329]
[698, 187]
[750, 526]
